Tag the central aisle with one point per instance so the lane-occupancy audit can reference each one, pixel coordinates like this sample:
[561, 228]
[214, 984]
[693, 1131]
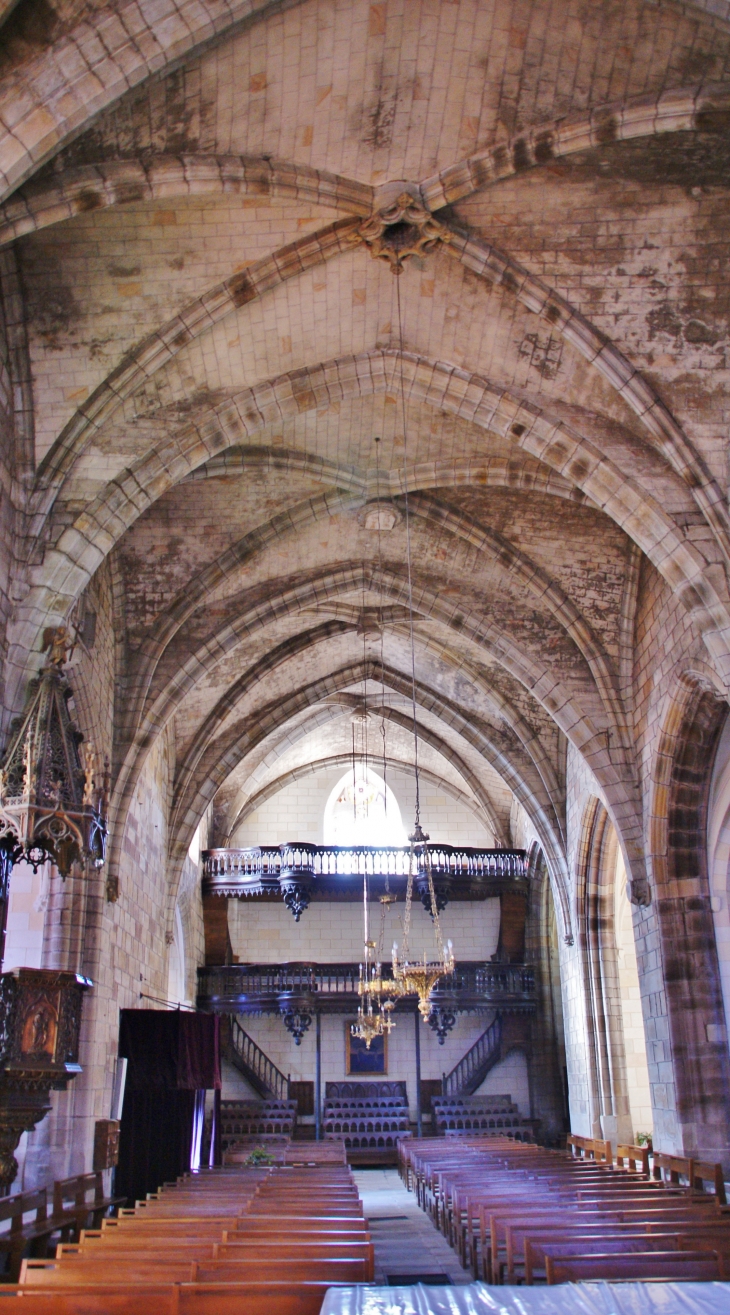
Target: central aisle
[406, 1242]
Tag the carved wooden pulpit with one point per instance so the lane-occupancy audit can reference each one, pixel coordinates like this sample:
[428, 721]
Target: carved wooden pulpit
[40, 1018]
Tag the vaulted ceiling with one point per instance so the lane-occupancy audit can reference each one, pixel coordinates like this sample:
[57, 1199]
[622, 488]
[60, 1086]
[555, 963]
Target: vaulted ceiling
[195, 200]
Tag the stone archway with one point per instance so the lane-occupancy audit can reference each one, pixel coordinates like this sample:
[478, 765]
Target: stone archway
[607, 1080]
[686, 1014]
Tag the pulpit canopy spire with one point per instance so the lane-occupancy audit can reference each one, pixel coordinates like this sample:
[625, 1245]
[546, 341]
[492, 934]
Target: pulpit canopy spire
[53, 788]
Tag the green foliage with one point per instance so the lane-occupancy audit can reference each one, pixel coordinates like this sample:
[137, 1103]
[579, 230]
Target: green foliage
[260, 1155]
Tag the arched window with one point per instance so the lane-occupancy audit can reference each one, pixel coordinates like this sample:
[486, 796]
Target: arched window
[362, 810]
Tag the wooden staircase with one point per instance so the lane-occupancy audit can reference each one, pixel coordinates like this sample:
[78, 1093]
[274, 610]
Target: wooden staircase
[259, 1071]
[473, 1067]
[504, 1033]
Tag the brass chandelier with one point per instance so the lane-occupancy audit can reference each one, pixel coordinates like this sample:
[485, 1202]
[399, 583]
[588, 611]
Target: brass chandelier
[374, 1014]
[416, 976]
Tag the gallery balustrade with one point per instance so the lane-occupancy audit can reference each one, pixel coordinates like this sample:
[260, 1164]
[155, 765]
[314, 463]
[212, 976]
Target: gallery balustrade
[300, 872]
[333, 988]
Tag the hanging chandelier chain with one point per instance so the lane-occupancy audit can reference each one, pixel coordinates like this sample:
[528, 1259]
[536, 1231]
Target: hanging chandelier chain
[408, 555]
[409, 978]
[434, 907]
[409, 902]
[382, 634]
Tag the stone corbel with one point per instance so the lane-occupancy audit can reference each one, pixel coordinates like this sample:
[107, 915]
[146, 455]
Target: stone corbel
[639, 892]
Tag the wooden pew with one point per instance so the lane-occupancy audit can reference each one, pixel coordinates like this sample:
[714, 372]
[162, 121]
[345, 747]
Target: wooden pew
[673, 1168]
[525, 1241]
[642, 1217]
[21, 1235]
[85, 1191]
[709, 1173]
[479, 1197]
[129, 1268]
[610, 1244]
[169, 1299]
[302, 1223]
[633, 1157]
[536, 1246]
[293, 1248]
[680, 1266]
[590, 1148]
[230, 1239]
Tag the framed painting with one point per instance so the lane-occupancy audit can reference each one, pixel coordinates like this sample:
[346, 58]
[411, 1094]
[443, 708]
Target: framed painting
[362, 1062]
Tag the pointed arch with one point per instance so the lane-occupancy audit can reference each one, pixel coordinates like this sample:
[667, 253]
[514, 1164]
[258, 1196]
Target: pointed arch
[679, 923]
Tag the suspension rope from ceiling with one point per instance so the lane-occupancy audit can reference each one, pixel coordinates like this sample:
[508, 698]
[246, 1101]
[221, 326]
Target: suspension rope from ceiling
[382, 630]
[408, 555]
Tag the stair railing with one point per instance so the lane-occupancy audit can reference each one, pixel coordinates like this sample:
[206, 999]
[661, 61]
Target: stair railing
[258, 1062]
[459, 1080]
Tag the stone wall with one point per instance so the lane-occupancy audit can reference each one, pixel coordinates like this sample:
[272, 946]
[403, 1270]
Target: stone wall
[263, 932]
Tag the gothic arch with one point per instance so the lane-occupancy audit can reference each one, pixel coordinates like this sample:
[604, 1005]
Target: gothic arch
[595, 875]
[679, 926]
[224, 758]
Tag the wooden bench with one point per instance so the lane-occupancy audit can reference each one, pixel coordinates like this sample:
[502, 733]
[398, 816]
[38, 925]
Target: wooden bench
[230, 1235]
[634, 1157]
[169, 1299]
[524, 1242]
[294, 1249]
[21, 1235]
[608, 1245]
[267, 1224]
[129, 1268]
[536, 1245]
[590, 1148]
[462, 1186]
[673, 1168]
[680, 1266]
[85, 1191]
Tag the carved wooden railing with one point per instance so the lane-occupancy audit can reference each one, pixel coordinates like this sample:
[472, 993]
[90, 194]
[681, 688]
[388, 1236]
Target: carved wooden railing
[474, 1066]
[263, 861]
[333, 988]
[254, 1063]
[298, 871]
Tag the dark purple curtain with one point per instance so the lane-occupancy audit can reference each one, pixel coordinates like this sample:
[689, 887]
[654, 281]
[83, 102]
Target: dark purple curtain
[198, 1058]
[170, 1056]
[154, 1140]
[170, 1048]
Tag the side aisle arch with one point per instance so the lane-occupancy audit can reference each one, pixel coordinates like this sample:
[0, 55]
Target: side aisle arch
[687, 1012]
[595, 875]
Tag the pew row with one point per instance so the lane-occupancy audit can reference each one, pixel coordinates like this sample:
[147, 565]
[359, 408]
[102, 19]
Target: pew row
[507, 1208]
